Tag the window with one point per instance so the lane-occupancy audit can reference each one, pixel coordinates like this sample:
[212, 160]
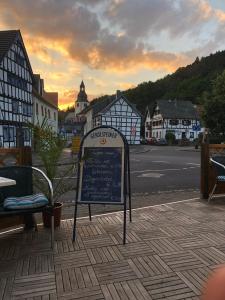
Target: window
[37, 111]
[27, 109]
[19, 59]
[77, 104]
[191, 135]
[54, 116]
[49, 114]
[186, 122]
[174, 122]
[15, 106]
[42, 111]
[8, 134]
[45, 112]
[17, 81]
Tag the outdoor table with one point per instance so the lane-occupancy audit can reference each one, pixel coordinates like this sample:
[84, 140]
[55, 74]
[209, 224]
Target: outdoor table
[6, 182]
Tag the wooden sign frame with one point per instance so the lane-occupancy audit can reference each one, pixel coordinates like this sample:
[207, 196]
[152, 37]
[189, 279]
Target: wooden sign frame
[98, 148]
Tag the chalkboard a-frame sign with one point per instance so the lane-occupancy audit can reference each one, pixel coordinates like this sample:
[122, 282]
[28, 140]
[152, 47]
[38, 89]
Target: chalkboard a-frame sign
[104, 171]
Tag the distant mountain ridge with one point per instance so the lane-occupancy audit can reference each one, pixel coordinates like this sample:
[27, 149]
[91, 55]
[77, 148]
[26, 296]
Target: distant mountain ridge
[186, 83]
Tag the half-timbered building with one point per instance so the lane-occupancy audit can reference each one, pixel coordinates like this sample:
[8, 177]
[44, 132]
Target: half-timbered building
[118, 113]
[16, 78]
[176, 116]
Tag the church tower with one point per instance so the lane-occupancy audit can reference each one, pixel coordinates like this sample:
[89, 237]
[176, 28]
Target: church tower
[82, 101]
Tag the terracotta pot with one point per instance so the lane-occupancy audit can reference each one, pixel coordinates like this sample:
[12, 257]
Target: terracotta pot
[57, 215]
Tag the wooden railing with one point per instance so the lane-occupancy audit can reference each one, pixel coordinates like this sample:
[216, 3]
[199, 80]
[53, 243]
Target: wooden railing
[15, 156]
[208, 175]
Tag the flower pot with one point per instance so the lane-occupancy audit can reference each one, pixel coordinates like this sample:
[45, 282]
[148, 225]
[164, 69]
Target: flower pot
[57, 215]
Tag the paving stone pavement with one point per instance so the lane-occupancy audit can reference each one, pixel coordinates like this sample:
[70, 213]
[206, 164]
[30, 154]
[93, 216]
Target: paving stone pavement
[171, 249]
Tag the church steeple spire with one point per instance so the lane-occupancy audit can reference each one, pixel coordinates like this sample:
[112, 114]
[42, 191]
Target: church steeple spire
[82, 100]
[82, 96]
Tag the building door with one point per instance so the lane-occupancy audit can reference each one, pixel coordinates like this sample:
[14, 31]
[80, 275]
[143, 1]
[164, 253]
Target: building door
[183, 135]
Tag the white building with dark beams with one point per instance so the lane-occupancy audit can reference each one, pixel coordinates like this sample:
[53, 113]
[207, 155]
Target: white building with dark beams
[176, 116]
[118, 113]
[16, 78]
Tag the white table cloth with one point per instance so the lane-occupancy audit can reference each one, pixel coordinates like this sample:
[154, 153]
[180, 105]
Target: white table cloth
[6, 182]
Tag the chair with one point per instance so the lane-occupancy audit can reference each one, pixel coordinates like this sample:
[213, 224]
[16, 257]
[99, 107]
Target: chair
[218, 163]
[23, 175]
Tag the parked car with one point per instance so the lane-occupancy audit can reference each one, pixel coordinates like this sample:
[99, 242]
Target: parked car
[162, 142]
[152, 141]
[143, 141]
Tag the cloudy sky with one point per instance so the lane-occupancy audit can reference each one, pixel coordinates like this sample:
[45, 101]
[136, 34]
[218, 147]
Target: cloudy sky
[112, 44]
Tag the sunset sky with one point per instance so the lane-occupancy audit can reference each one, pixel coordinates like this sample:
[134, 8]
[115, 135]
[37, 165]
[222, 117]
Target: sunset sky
[112, 44]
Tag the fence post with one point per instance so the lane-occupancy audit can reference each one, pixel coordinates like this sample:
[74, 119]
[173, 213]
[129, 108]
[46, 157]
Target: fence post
[205, 170]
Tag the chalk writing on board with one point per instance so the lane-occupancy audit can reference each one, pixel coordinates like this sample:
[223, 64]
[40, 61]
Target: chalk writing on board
[102, 175]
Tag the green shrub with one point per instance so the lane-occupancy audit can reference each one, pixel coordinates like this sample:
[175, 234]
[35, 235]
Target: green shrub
[170, 137]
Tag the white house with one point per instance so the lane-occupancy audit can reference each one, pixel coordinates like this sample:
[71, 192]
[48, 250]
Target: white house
[16, 102]
[118, 113]
[45, 104]
[176, 116]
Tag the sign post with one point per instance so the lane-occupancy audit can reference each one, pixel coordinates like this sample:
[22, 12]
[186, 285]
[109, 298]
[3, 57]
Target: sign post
[103, 171]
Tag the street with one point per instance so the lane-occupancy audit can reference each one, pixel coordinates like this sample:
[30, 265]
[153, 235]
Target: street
[159, 174]
[156, 169]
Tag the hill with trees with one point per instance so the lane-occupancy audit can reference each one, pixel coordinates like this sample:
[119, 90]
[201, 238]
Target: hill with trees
[186, 83]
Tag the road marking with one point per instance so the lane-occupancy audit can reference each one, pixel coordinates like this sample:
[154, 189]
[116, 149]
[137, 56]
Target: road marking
[134, 159]
[152, 175]
[160, 161]
[147, 171]
[197, 165]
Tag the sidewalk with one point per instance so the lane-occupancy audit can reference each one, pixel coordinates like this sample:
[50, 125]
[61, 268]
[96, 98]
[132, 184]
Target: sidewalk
[171, 250]
[137, 201]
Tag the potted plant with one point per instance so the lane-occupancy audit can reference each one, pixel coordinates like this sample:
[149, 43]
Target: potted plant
[49, 148]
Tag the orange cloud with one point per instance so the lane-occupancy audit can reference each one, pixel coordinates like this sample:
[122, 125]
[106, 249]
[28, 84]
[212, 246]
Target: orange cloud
[81, 36]
[126, 85]
[67, 98]
[220, 15]
[71, 36]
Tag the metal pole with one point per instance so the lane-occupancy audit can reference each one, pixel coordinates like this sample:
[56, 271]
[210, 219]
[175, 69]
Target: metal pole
[75, 222]
[124, 221]
[89, 211]
[129, 190]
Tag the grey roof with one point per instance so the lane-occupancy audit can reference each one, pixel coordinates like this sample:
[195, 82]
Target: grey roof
[7, 37]
[106, 108]
[97, 107]
[102, 107]
[177, 109]
[6, 40]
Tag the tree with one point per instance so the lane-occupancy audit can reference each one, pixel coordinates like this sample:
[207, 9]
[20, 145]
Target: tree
[49, 148]
[214, 106]
[170, 137]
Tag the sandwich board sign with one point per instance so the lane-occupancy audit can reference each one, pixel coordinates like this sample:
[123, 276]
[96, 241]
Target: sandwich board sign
[103, 171]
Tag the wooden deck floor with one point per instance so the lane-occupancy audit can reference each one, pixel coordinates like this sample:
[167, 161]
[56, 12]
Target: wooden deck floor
[170, 251]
